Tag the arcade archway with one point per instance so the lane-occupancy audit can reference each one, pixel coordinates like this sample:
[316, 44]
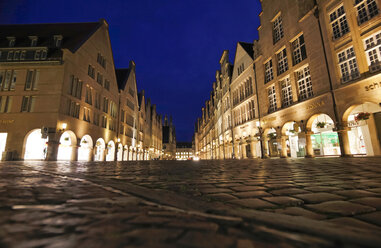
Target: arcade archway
[35, 146]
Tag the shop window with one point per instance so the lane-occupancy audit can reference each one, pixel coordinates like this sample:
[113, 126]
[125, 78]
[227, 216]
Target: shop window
[338, 21]
[304, 83]
[366, 10]
[348, 65]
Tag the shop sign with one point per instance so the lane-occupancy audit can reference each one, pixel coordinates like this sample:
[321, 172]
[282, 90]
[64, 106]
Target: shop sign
[315, 105]
[373, 86]
[7, 121]
[356, 123]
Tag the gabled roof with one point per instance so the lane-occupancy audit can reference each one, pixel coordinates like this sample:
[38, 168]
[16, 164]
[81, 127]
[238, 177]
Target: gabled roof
[248, 47]
[73, 34]
[122, 77]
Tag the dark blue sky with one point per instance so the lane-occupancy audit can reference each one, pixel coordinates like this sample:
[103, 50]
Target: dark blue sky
[176, 44]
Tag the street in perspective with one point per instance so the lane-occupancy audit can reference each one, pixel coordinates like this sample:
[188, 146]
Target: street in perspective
[322, 202]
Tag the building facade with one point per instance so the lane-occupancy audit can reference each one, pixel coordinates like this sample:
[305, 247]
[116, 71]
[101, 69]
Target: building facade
[184, 151]
[60, 98]
[169, 139]
[316, 82]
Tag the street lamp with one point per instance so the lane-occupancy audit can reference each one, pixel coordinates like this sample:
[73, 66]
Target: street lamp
[260, 137]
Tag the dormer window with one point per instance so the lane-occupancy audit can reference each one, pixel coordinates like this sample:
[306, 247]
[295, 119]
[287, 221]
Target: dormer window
[33, 41]
[12, 41]
[57, 40]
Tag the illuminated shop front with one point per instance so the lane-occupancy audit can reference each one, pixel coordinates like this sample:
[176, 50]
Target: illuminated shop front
[3, 142]
[110, 155]
[363, 121]
[119, 155]
[86, 148]
[295, 142]
[99, 150]
[67, 144]
[272, 143]
[325, 141]
[35, 145]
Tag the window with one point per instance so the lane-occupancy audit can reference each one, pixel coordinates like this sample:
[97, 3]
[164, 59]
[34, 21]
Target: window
[251, 113]
[113, 109]
[91, 72]
[240, 69]
[130, 104]
[298, 50]
[8, 80]
[96, 119]
[122, 115]
[16, 55]
[73, 109]
[348, 65]
[105, 104]
[111, 125]
[37, 55]
[101, 60]
[366, 10]
[131, 92]
[304, 83]
[89, 95]
[277, 29]
[272, 98]
[338, 22]
[372, 46]
[33, 41]
[121, 129]
[99, 78]
[286, 92]
[44, 54]
[5, 104]
[10, 55]
[269, 75]
[282, 61]
[75, 87]
[57, 40]
[22, 55]
[27, 104]
[31, 79]
[86, 114]
[11, 41]
[104, 121]
[97, 100]
[107, 84]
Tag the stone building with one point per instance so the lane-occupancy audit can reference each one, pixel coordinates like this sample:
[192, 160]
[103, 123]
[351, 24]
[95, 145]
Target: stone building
[184, 151]
[169, 139]
[60, 98]
[316, 79]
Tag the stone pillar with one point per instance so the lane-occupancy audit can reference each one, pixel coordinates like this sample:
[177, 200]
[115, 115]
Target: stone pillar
[284, 146]
[74, 153]
[344, 141]
[52, 150]
[309, 148]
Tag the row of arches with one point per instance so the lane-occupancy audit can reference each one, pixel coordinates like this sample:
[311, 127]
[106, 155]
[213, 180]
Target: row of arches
[36, 148]
[320, 135]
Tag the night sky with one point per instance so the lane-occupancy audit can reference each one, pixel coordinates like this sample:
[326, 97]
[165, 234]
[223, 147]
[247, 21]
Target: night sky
[176, 44]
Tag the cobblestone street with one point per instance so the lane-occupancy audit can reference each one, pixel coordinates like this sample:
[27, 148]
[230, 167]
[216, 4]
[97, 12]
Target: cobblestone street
[321, 202]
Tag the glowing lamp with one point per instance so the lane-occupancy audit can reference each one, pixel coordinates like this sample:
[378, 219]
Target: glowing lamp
[118, 139]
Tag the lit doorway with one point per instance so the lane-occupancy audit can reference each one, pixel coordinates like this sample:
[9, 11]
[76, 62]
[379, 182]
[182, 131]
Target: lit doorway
[67, 143]
[99, 150]
[85, 149]
[110, 151]
[3, 142]
[35, 146]
[325, 141]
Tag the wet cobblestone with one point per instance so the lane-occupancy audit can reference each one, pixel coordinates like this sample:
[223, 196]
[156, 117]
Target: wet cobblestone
[250, 203]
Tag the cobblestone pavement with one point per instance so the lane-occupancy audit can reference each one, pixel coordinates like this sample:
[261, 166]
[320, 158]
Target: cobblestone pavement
[322, 202]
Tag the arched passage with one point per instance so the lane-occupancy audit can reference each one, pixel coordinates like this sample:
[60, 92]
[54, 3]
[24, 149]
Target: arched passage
[119, 155]
[325, 141]
[125, 153]
[292, 145]
[110, 156]
[35, 145]
[99, 150]
[362, 122]
[67, 147]
[271, 144]
[85, 149]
